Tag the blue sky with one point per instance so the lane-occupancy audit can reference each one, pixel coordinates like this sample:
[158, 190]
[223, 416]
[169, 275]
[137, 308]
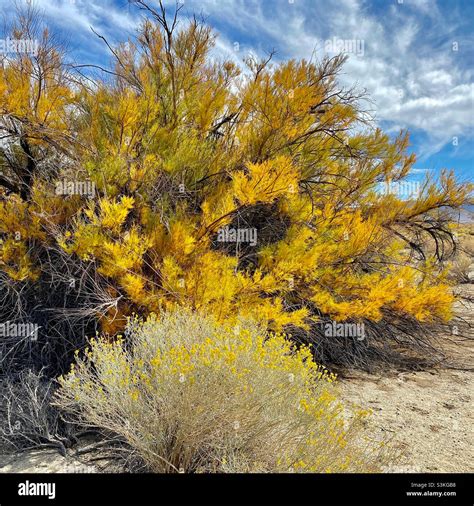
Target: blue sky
[414, 57]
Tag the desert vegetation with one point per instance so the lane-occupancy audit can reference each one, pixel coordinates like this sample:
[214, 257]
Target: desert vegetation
[207, 223]
[228, 400]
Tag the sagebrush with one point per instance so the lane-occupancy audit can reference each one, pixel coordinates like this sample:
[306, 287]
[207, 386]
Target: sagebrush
[190, 395]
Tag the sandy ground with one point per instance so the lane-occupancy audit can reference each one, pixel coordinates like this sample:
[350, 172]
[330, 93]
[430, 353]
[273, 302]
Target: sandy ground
[43, 461]
[428, 415]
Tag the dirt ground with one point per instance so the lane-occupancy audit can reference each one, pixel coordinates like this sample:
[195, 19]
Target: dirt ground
[43, 461]
[428, 415]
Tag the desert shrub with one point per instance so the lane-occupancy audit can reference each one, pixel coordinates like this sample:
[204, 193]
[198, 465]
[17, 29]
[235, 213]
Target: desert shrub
[27, 418]
[462, 269]
[64, 303]
[190, 395]
[186, 154]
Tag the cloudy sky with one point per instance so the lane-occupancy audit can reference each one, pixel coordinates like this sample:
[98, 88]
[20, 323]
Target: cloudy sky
[414, 57]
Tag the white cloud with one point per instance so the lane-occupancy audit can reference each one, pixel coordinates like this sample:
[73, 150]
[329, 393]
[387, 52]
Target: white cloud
[411, 73]
[76, 17]
[415, 83]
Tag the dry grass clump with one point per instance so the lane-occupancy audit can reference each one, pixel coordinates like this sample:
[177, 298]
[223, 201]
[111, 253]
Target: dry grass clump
[27, 419]
[462, 269]
[190, 395]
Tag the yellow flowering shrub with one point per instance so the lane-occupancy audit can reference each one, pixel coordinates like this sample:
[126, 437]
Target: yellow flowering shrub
[178, 147]
[190, 395]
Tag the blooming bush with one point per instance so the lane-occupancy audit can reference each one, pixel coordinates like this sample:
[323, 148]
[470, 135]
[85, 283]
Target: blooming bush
[174, 148]
[190, 395]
